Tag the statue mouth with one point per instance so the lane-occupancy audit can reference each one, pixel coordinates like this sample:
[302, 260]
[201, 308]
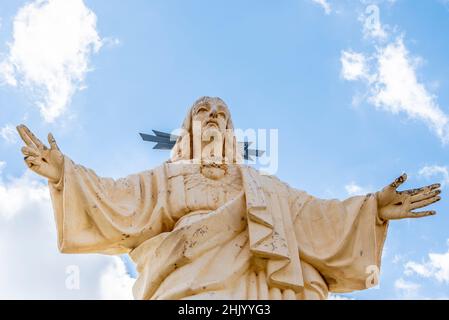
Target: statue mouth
[211, 122]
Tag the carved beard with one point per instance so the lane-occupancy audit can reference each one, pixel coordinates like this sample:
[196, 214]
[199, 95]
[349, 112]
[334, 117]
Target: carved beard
[214, 171]
[212, 143]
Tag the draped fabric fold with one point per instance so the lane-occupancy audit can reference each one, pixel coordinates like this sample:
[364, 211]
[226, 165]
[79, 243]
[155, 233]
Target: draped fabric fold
[269, 230]
[104, 215]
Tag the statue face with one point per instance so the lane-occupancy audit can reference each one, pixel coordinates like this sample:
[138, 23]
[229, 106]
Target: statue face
[211, 114]
[210, 117]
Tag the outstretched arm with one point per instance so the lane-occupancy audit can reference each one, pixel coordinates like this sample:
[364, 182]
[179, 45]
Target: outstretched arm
[95, 214]
[344, 239]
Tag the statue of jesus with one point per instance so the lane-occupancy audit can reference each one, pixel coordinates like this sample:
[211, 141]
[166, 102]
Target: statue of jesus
[203, 225]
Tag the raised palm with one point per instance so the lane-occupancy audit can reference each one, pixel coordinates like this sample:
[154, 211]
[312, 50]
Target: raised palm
[47, 162]
[395, 204]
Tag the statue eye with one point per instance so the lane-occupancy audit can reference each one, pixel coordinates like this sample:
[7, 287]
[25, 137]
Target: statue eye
[222, 114]
[201, 110]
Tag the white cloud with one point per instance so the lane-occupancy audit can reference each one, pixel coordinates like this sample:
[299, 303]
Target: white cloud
[431, 171]
[397, 258]
[325, 5]
[436, 267]
[412, 267]
[353, 66]
[7, 74]
[50, 50]
[32, 267]
[394, 85]
[111, 42]
[116, 283]
[398, 89]
[390, 74]
[354, 189]
[9, 133]
[15, 190]
[407, 289]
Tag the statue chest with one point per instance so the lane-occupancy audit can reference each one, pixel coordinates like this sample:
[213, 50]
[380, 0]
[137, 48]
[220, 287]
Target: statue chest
[190, 190]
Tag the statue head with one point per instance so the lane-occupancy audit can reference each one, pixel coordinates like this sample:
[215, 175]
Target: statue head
[207, 133]
[211, 113]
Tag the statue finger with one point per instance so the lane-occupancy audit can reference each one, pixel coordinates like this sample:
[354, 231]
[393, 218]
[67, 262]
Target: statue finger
[52, 142]
[423, 196]
[24, 136]
[421, 214]
[31, 162]
[31, 159]
[425, 189]
[35, 139]
[28, 151]
[424, 203]
[398, 181]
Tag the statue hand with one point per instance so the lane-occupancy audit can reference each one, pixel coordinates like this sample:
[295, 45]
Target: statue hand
[393, 204]
[47, 162]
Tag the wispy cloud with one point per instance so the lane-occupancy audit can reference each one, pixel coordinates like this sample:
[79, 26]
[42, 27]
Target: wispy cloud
[393, 85]
[354, 66]
[435, 170]
[8, 133]
[397, 258]
[49, 54]
[436, 267]
[7, 75]
[390, 74]
[397, 89]
[407, 289]
[354, 189]
[325, 5]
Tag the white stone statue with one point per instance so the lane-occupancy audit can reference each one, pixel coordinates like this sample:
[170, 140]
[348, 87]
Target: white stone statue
[205, 226]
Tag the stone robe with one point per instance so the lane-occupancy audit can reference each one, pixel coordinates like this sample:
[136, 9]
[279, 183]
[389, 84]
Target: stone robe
[245, 236]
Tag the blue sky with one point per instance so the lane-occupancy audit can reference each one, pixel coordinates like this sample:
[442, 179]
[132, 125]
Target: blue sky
[356, 100]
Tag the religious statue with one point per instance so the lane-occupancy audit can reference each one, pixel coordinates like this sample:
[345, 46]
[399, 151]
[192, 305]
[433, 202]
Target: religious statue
[204, 225]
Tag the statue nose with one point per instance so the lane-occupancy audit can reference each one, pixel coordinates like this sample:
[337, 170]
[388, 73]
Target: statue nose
[213, 113]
